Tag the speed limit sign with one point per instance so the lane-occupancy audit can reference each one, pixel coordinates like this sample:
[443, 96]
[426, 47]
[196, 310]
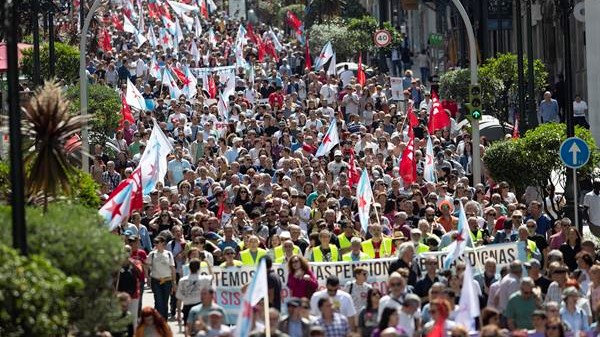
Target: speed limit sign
[382, 38]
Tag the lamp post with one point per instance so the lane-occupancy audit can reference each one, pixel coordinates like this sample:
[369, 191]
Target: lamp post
[35, 30]
[566, 9]
[11, 27]
[532, 113]
[51, 38]
[83, 82]
[520, 68]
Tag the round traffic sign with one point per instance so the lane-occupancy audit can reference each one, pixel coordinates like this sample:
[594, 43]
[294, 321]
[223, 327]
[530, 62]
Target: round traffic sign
[382, 38]
[574, 152]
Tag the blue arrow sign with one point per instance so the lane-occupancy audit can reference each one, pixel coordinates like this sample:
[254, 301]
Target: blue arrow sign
[574, 152]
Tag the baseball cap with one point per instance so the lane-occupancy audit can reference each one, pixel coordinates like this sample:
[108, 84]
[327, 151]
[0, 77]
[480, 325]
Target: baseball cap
[532, 263]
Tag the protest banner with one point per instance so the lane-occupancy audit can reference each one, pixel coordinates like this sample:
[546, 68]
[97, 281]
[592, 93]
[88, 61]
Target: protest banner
[397, 89]
[228, 282]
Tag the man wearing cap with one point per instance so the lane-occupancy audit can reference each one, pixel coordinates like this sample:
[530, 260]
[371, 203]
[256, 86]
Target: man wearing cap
[415, 236]
[521, 306]
[215, 326]
[378, 245]
[294, 324]
[355, 253]
[229, 254]
[534, 270]
[253, 253]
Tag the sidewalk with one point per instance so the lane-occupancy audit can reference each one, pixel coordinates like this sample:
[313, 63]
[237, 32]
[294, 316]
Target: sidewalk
[148, 300]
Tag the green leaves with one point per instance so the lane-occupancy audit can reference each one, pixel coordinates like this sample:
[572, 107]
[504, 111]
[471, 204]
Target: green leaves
[33, 296]
[75, 240]
[66, 66]
[104, 106]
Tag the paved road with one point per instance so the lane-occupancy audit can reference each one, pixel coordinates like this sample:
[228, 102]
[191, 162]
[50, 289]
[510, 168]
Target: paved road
[148, 300]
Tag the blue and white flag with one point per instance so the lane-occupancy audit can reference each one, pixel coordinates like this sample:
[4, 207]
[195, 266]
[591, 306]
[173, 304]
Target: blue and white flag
[468, 306]
[429, 169]
[463, 239]
[256, 291]
[364, 195]
[329, 141]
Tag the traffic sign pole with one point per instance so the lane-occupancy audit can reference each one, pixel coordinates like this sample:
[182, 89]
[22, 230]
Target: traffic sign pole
[574, 153]
[575, 208]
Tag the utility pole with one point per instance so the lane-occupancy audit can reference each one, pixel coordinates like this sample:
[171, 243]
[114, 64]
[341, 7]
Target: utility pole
[532, 113]
[520, 70]
[35, 30]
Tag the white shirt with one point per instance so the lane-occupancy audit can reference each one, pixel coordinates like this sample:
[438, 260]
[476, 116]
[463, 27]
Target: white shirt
[342, 303]
[346, 76]
[592, 202]
[329, 93]
[508, 286]
[304, 213]
[190, 287]
[579, 108]
[160, 263]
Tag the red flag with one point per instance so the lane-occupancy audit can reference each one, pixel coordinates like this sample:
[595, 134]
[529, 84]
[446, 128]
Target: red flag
[294, 22]
[515, 133]
[126, 114]
[153, 10]
[117, 22]
[438, 329]
[137, 198]
[220, 210]
[412, 118]
[361, 77]
[212, 88]
[105, 40]
[261, 49]
[180, 75]
[353, 175]
[204, 9]
[307, 59]
[73, 143]
[165, 11]
[408, 166]
[270, 50]
[438, 118]
[250, 33]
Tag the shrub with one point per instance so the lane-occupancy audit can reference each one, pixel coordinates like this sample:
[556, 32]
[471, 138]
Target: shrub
[66, 66]
[33, 296]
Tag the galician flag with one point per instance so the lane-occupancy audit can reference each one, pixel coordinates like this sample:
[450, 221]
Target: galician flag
[364, 195]
[154, 159]
[329, 141]
[429, 170]
[325, 55]
[256, 291]
[134, 98]
[468, 306]
[128, 27]
[463, 239]
[124, 199]
[181, 8]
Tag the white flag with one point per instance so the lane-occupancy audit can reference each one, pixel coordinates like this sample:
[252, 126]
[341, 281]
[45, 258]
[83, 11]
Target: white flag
[326, 54]
[140, 39]
[181, 8]
[195, 52]
[429, 169]
[364, 197]
[197, 27]
[170, 82]
[190, 86]
[329, 141]
[468, 306]
[275, 40]
[134, 98]
[178, 32]
[223, 107]
[154, 159]
[255, 292]
[128, 26]
[151, 37]
[331, 65]
[188, 21]
[141, 21]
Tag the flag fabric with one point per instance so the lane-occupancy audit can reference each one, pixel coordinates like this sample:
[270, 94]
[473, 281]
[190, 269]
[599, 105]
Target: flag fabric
[256, 291]
[250, 33]
[429, 168]
[166, 40]
[197, 27]
[361, 77]
[188, 21]
[126, 114]
[181, 8]
[408, 166]
[273, 37]
[155, 70]
[116, 22]
[116, 209]
[105, 40]
[141, 21]
[329, 141]
[140, 39]
[463, 239]
[468, 306]
[154, 159]
[151, 37]
[153, 10]
[294, 22]
[326, 54]
[128, 27]
[413, 121]
[169, 25]
[438, 118]
[211, 37]
[364, 195]
[170, 82]
[178, 32]
[212, 6]
[515, 133]
[203, 8]
[223, 107]
[190, 84]
[195, 52]
[307, 59]
[353, 176]
[134, 98]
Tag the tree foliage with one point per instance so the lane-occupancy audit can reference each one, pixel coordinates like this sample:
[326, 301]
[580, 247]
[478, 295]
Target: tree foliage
[335, 31]
[104, 106]
[455, 84]
[529, 161]
[86, 193]
[66, 66]
[33, 296]
[297, 9]
[75, 240]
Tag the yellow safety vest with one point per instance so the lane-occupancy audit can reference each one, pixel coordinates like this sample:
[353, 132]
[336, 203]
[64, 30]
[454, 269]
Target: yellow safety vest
[236, 263]
[278, 251]
[422, 248]
[532, 248]
[348, 257]
[384, 249]
[247, 259]
[344, 241]
[477, 237]
[317, 254]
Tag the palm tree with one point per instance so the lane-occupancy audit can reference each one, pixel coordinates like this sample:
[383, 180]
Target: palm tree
[48, 126]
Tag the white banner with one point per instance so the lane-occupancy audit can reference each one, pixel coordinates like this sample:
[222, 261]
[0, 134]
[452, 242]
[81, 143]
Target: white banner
[397, 89]
[229, 281]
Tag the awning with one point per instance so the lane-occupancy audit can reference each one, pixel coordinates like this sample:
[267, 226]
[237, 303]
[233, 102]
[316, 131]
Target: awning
[3, 54]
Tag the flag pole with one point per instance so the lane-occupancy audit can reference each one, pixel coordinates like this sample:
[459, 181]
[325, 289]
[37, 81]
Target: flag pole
[267, 316]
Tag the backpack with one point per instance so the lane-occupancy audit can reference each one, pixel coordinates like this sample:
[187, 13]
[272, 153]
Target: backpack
[128, 280]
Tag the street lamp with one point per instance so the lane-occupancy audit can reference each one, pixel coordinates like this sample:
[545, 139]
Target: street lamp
[83, 82]
[566, 9]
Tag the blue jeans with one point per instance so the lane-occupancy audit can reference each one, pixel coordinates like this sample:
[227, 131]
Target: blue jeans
[161, 296]
[424, 75]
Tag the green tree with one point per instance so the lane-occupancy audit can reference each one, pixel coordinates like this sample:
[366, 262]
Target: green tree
[361, 30]
[66, 66]
[455, 84]
[75, 239]
[530, 161]
[86, 193]
[33, 296]
[354, 9]
[335, 31]
[104, 106]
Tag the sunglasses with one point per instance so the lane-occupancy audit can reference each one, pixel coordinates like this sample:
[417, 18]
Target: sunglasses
[552, 327]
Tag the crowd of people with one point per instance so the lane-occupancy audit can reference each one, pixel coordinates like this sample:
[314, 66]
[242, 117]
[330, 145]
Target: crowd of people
[246, 185]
